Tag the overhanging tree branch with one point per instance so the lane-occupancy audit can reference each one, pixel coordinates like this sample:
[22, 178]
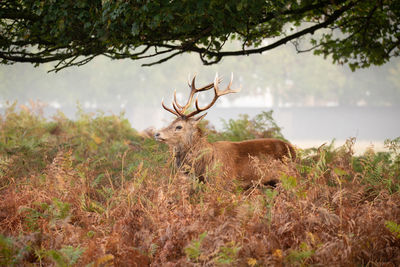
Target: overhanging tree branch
[217, 56]
[45, 32]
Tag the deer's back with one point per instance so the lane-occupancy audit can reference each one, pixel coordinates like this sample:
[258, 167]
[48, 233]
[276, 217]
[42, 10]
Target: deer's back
[274, 148]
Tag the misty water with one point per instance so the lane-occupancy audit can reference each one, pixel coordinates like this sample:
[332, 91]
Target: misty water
[313, 100]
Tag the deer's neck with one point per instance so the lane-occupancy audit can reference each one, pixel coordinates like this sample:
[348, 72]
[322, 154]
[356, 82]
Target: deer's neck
[188, 154]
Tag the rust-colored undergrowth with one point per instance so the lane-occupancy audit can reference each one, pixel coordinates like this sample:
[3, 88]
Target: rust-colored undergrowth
[94, 192]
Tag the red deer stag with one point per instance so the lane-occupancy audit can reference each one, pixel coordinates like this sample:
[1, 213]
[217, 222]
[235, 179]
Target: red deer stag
[192, 151]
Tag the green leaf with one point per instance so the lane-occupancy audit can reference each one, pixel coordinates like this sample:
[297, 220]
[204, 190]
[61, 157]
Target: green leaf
[288, 182]
[340, 172]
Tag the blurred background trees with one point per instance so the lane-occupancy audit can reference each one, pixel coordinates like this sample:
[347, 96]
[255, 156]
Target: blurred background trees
[289, 78]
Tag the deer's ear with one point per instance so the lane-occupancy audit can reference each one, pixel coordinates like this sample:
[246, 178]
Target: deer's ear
[198, 119]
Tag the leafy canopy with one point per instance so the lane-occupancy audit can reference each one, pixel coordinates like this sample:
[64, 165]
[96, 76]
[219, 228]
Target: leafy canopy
[73, 32]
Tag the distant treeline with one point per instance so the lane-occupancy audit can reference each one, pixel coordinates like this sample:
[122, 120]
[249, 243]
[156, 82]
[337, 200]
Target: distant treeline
[290, 78]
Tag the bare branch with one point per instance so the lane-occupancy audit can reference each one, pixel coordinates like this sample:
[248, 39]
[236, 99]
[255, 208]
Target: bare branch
[163, 60]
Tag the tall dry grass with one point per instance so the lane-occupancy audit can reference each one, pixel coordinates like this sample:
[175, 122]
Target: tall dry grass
[94, 192]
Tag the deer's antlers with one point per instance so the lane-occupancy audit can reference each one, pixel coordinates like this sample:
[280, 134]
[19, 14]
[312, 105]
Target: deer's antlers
[180, 110]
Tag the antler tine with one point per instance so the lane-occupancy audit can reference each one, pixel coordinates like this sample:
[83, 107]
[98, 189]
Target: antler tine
[193, 91]
[188, 81]
[180, 112]
[217, 94]
[168, 109]
[204, 88]
[175, 101]
[228, 89]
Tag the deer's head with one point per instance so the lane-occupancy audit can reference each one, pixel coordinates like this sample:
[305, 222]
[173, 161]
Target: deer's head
[183, 130]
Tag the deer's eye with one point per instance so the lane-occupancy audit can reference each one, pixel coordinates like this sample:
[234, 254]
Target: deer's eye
[178, 127]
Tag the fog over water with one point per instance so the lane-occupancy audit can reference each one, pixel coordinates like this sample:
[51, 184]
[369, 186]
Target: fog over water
[313, 100]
